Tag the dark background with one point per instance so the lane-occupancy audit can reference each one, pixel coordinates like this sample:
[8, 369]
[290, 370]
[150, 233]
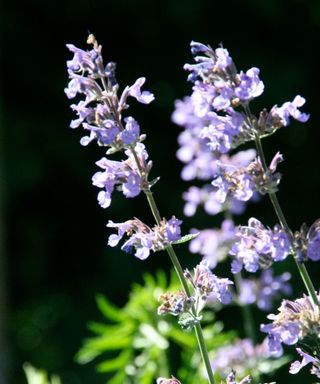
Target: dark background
[54, 257]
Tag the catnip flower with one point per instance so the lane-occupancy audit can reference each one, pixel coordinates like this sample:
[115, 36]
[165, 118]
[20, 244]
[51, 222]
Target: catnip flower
[124, 174]
[142, 239]
[296, 321]
[264, 290]
[206, 284]
[242, 356]
[241, 182]
[174, 303]
[258, 247]
[307, 242]
[100, 115]
[231, 379]
[214, 244]
[297, 365]
[172, 380]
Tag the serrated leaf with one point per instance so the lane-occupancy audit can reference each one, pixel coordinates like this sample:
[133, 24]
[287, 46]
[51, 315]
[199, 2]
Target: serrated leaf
[116, 363]
[94, 347]
[109, 310]
[186, 238]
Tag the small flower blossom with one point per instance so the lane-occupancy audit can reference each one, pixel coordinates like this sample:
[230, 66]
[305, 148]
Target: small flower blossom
[214, 244]
[263, 290]
[174, 303]
[142, 239]
[172, 380]
[296, 366]
[231, 379]
[206, 284]
[297, 320]
[242, 356]
[307, 242]
[290, 109]
[242, 182]
[258, 247]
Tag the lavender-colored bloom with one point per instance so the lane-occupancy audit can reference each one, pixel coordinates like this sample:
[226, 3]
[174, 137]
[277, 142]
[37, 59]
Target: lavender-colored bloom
[105, 133]
[144, 97]
[257, 246]
[290, 109]
[142, 239]
[173, 231]
[131, 132]
[265, 289]
[241, 356]
[296, 366]
[313, 249]
[213, 244]
[250, 85]
[207, 284]
[295, 321]
[233, 181]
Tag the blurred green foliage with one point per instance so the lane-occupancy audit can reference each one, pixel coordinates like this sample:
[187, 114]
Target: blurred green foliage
[38, 376]
[137, 345]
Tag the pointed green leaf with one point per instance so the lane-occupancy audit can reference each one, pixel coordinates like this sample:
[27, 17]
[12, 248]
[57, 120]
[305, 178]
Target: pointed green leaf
[116, 363]
[186, 238]
[109, 310]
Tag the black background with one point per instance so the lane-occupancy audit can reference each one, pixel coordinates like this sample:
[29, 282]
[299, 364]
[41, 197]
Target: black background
[53, 246]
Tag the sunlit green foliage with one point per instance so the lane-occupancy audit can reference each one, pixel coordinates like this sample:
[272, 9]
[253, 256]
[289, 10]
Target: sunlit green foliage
[136, 345]
[37, 376]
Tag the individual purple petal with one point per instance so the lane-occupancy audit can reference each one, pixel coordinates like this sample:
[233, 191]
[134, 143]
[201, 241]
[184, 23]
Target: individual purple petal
[132, 187]
[131, 132]
[250, 85]
[313, 249]
[173, 231]
[296, 366]
[144, 97]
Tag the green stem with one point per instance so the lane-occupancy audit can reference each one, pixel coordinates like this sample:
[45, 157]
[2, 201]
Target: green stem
[179, 271]
[276, 205]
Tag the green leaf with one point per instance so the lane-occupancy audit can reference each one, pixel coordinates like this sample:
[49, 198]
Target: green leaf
[185, 340]
[116, 363]
[109, 310]
[94, 347]
[119, 378]
[186, 238]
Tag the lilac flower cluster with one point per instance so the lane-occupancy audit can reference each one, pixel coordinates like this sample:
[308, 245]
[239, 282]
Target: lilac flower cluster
[218, 89]
[258, 247]
[242, 356]
[142, 239]
[264, 290]
[296, 321]
[213, 244]
[100, 114]
[242, 182]
[205, 285]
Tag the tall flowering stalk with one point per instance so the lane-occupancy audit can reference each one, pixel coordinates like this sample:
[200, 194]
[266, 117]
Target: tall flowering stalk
[100, 113]
[217, 119]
